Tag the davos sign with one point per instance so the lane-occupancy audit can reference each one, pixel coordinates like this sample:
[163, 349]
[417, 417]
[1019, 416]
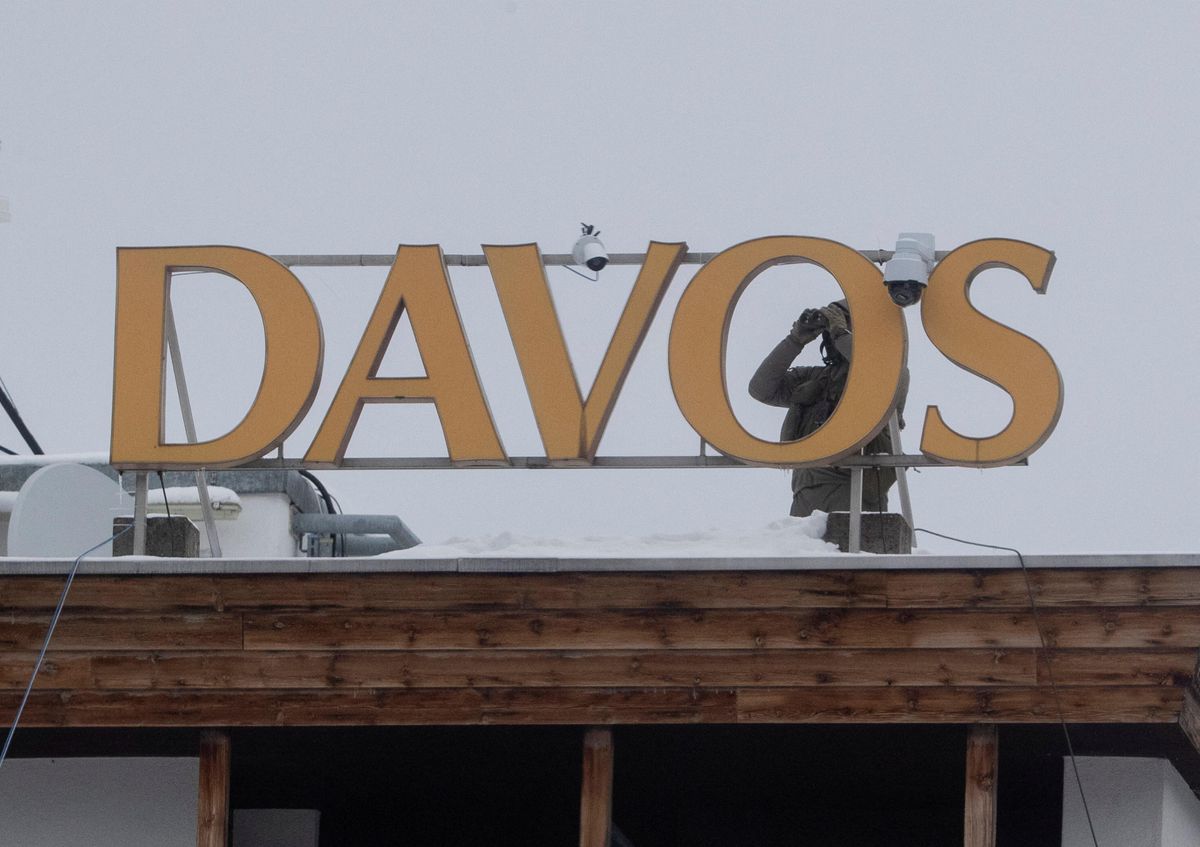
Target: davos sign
[572, 424]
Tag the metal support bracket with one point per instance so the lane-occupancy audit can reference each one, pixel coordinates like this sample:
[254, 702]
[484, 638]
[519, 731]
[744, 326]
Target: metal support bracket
[856, 488]
[141, 486]
[856, 492]
[901, 470]
[189, 423]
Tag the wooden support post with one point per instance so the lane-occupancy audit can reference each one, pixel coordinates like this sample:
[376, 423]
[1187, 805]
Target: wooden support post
[979, 826]
[212, 828]
[1189, 715]
[595, 802]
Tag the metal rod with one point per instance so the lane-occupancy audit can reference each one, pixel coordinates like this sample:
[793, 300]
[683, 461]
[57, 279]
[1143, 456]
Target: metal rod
[478, 260]
[141, 488]
[708, 460]
[189, 423]
[901, 470]
[856, 491]
[13, 415]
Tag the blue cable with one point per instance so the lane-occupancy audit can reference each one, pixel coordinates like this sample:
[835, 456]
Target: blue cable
[62, 601]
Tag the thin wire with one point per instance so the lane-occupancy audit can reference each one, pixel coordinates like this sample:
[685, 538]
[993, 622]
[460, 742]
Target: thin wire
[1037, 622]
[4, 449]
[62, 601]
[595, 278]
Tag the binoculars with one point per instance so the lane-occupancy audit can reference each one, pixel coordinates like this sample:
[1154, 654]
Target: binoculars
[814, 319]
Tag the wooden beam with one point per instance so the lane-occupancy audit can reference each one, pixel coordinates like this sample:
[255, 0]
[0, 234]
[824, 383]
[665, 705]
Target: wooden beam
[391, 591]
[943, 588]
[115, 631]
[375, 707]
[212, 828]
[287, 669]
[282, 670]
[648, 629]
[593, 706]
[1153, 666]
[1051, 587]
[1009, 704]
[1005, 589]
[979, 823]
[595, 800]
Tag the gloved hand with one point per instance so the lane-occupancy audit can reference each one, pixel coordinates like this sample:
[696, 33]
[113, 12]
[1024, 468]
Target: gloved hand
[835, 321]
[812, 322]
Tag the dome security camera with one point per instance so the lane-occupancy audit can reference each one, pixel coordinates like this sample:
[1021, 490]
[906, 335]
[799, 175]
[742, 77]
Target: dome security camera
[907, 273]
[589, 250]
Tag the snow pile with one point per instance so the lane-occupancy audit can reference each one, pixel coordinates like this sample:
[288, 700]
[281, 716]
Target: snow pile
[40, 460]
[219, 496]
[786, 537]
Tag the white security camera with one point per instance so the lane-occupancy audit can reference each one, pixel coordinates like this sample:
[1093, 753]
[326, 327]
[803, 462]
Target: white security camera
[907, 273]
[589, 250]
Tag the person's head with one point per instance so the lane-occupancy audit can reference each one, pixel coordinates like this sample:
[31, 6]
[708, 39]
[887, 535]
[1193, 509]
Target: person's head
[837, 348]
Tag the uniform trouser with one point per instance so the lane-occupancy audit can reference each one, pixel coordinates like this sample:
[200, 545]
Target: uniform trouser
[828, 490]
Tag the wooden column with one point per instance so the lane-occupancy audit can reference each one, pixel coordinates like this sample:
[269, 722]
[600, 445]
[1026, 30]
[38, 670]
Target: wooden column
[1189, 714]
[212, 828]
[595, 802]
[979, 828]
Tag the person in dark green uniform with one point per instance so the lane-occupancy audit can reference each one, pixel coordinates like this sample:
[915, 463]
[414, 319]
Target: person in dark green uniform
[810, 394]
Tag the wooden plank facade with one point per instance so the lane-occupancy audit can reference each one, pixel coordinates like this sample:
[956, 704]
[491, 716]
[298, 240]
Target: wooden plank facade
[594, 648]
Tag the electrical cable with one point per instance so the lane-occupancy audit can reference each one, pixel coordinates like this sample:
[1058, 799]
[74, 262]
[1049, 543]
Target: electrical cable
[327, 498]
[1037, 622]
[62, 601]
[321, 489]
[596, 278]
[341, 537]
[6, 451]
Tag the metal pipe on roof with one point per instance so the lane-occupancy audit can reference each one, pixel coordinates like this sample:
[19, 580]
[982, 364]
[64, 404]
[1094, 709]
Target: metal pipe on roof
[357, 525]
[478, 260]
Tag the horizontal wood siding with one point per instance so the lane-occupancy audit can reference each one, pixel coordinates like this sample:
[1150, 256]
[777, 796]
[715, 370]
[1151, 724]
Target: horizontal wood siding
[905, 646]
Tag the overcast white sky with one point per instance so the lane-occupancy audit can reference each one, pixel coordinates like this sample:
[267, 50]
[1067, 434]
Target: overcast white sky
[352, 127]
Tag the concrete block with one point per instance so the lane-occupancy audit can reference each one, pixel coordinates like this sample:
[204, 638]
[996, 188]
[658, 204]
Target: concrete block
[881, 533]
[175, 536]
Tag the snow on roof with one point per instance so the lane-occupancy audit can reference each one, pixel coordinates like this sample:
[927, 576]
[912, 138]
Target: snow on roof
[97, 458]
[785, 537]
[190, 496]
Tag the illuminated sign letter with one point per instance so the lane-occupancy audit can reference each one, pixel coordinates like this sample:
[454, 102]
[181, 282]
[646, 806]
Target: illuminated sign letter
[291, 369]
[570, 428]
[417, 282]
[998, 353]
[701, 326]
